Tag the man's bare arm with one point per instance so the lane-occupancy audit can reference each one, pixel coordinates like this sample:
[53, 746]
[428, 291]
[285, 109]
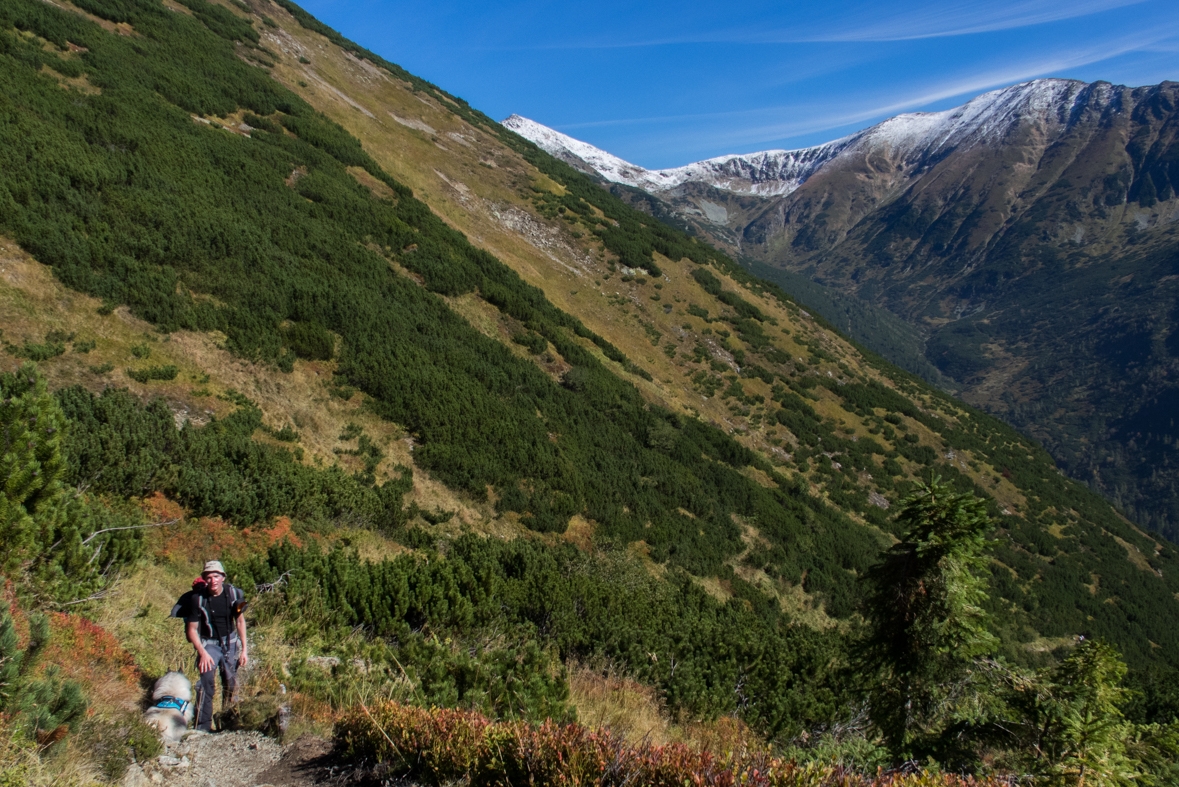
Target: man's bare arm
[240, 624]
[204, 661]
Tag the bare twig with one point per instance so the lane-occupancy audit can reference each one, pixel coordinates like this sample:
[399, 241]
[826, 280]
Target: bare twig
[93, 597]
[91, 537]
[87, 483]
[266, 587]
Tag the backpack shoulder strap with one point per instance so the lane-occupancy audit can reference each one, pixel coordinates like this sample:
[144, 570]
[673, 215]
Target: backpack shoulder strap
[206, 617]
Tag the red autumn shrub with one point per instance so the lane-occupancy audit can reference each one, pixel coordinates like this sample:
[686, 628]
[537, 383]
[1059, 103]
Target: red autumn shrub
[440, 746]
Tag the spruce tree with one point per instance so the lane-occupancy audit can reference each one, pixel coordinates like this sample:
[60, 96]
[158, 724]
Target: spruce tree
[925, 623]
[1077, 735]
[41, 703]
[30, 461]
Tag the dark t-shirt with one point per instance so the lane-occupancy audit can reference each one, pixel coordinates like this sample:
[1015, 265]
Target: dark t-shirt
[220, 613]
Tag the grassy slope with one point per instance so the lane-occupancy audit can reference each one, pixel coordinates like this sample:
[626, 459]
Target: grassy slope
[486, 203]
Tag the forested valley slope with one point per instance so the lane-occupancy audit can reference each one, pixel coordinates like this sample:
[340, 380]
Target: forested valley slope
[476, 434]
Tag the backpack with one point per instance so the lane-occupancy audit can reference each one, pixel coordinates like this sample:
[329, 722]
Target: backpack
[184, 605]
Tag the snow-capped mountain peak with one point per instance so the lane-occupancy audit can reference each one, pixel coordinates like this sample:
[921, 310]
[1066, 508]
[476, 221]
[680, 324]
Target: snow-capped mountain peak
[768, 173]
[982, 120]
[565, 147]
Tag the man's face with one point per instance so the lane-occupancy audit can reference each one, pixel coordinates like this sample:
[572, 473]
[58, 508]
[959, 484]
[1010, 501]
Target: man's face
[215, 580]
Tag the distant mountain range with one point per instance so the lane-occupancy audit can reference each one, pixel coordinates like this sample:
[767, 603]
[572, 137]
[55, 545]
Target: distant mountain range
[1026, 239]
[767, 174]
[913, 138]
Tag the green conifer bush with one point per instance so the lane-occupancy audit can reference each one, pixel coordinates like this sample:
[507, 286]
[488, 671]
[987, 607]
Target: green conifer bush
[41, 703]
[926, 622]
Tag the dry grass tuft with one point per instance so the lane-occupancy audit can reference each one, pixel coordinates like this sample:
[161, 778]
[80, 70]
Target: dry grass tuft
[66, 765]
[1135, 556]
[379, 190]
[580, 533]
[634, 711]
[627, 707]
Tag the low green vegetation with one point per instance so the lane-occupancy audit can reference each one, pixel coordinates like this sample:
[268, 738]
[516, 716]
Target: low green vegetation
[489, 624]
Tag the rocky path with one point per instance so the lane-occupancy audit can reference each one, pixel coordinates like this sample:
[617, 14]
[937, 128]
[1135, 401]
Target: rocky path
[246, 759]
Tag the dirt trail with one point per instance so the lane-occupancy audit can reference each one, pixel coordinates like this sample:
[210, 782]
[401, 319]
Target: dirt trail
[245, 759]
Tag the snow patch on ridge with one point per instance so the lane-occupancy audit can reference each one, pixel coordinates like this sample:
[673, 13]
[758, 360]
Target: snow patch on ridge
[770, 173]
[984, 120]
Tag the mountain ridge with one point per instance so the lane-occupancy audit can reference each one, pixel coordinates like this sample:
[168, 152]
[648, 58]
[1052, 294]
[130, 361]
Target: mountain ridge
[777, 172]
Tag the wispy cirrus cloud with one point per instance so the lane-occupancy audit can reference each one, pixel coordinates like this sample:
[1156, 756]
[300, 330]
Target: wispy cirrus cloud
[871, 22]
[760, 125]
[943, 20]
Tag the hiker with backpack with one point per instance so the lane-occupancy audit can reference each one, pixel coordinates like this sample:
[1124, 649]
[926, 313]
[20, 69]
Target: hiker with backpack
[216, 627]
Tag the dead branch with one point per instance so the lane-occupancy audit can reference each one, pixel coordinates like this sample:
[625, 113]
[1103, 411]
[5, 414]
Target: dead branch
[91, 537]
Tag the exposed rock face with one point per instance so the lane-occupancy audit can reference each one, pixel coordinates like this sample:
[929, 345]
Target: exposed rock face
[979, 165]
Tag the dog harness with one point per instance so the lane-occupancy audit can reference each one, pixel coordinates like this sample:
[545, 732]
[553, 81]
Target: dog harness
[172, 702]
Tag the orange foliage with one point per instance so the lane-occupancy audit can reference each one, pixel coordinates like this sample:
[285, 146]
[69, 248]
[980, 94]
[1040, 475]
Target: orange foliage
[161, 509]
[279, 532]
[84, 652]
[88, 652]
[195, 541]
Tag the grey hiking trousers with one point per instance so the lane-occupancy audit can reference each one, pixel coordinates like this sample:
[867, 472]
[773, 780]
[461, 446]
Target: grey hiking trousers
[224, 653]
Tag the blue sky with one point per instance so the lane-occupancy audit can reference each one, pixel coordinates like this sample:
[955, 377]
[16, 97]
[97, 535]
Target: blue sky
[663, 84]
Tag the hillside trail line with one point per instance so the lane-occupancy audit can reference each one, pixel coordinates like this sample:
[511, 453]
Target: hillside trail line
[249, 759]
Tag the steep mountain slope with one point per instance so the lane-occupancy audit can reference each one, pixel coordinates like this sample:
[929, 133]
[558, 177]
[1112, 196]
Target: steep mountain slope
[279, 216]
[1028, 238]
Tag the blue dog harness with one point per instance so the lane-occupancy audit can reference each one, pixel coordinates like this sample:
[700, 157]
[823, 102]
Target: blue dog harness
[172, 702]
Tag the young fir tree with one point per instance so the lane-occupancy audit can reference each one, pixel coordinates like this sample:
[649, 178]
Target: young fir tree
[30, 462]
[926, 628]
[1077, 734]
[49, 534]
[43, 706]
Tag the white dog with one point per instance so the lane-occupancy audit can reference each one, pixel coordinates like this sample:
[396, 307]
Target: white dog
[171, 710]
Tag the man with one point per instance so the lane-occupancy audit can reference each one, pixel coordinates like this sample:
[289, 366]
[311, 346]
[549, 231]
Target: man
[216, 627]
